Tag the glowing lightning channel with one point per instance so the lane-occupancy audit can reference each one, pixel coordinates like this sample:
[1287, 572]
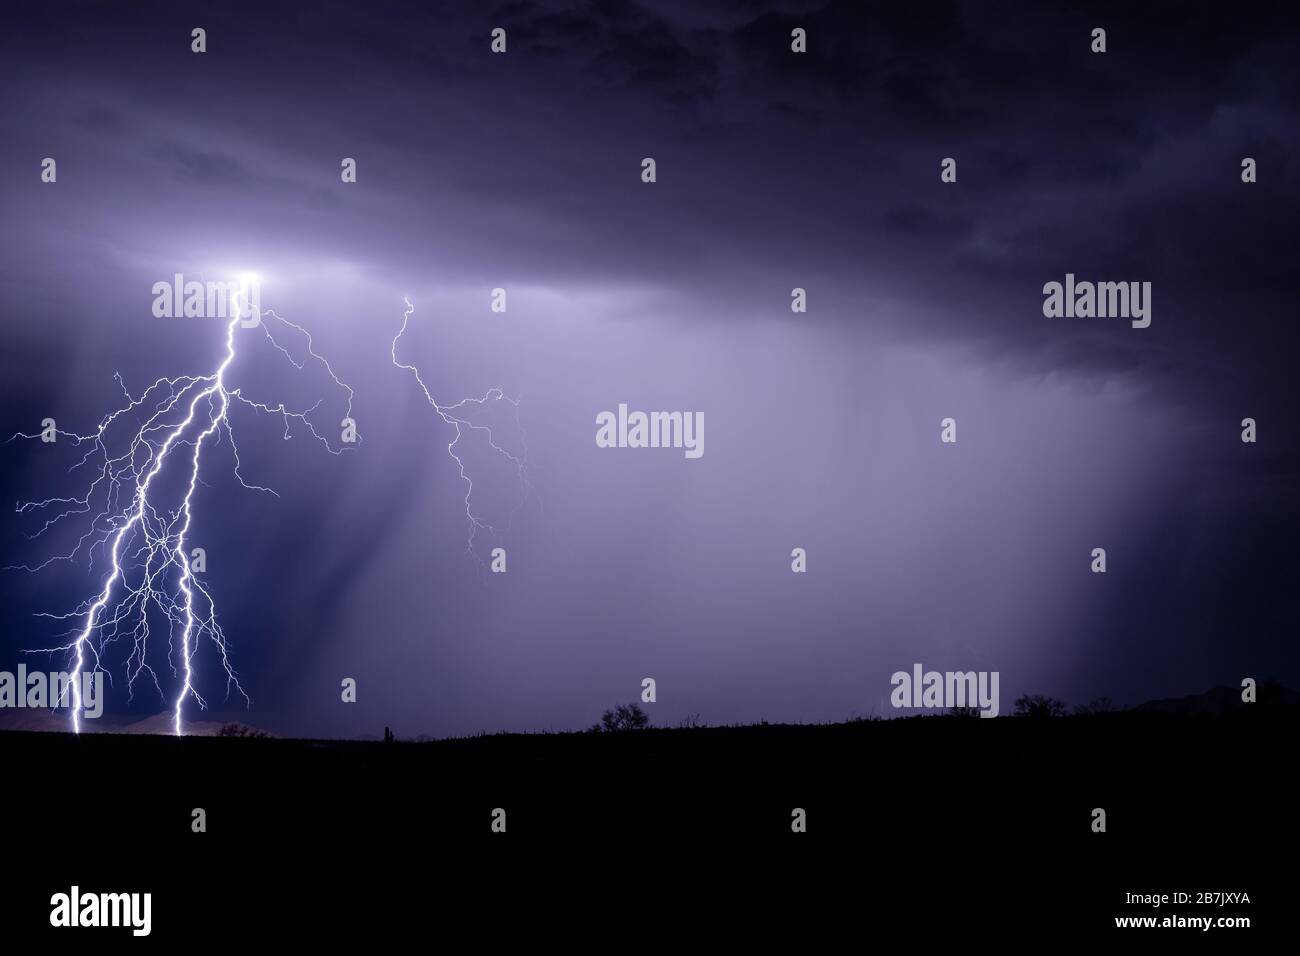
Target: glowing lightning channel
[147, 536]
[453, 415]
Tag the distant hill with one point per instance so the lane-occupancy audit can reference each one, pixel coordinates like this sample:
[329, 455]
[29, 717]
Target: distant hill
[1223, 700]
[164, 724]
[1216, 701]
[36, 720]
[41, 720]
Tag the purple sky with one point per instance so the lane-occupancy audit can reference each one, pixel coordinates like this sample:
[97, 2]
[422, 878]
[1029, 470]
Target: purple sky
[774, 171]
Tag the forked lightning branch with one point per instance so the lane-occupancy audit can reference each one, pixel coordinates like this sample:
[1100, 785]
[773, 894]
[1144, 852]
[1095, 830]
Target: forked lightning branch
[136, 513]
[457, 415]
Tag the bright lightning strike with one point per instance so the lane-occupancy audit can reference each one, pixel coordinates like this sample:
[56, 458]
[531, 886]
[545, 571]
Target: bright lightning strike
[455, 416]
[144, 534]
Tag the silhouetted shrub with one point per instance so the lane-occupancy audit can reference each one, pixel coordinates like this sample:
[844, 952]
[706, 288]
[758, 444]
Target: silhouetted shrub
[1039, 705]
[624, 717]
[240, 730]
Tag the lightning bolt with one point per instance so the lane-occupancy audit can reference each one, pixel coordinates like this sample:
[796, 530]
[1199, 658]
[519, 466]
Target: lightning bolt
[144, 538]
[455, 416]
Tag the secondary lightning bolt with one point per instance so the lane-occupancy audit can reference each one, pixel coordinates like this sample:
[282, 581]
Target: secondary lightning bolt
[454, 415]
[143, 535]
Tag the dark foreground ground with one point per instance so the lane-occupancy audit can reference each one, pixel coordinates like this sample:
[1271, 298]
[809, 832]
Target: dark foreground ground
[928, 828]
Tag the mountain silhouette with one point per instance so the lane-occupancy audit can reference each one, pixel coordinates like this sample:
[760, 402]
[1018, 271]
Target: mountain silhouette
[1224, 700]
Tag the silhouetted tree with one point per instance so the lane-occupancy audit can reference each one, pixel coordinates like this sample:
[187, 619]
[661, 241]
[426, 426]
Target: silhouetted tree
[963, 711]
[624, 717]
[1039, 705]
[388, 735]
